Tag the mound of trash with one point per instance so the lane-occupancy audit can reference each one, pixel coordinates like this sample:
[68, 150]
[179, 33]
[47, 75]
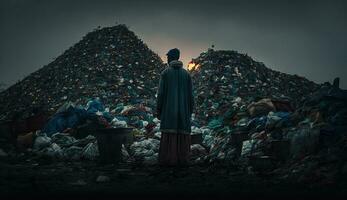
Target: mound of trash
[222, 77]
[111, 63]
[267, 121]
[307, 143]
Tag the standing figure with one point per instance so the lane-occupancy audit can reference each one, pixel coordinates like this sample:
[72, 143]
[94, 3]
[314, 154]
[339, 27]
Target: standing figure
[174, 108]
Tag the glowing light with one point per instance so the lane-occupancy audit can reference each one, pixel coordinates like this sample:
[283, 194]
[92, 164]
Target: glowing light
[193, 66]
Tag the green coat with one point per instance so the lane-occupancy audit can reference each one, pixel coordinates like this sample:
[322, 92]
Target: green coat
[175, 99]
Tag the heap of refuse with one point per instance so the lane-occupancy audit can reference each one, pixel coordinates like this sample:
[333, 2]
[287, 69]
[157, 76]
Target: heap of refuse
[221, 77]
[71, 133]
[269, 122]
[110, 63]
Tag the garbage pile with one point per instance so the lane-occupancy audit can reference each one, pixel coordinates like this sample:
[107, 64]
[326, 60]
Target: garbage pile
[111, 63]
[268, 121]
[319, 140]
[220, 77]
[60, 139]
[72, 132]
[64, 146]
[307, 144]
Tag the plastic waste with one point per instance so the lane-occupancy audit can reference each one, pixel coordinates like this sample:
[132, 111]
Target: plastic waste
[73, 153]
[41, 141]
[91, 151]
[63, 139]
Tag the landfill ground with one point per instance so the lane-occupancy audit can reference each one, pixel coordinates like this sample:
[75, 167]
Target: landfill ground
[47, 178]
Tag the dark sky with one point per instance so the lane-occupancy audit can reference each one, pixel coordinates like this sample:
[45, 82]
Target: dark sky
[307, 38]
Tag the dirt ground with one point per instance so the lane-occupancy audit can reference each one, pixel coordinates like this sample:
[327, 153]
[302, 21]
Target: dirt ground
[28, 177]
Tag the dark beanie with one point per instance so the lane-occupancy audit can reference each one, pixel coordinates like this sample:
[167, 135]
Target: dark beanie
[173, 54]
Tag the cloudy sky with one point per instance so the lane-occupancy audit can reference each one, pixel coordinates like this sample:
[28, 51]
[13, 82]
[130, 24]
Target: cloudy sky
[308, 38]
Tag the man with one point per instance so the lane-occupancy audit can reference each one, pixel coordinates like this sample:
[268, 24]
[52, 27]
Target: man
[174, 108]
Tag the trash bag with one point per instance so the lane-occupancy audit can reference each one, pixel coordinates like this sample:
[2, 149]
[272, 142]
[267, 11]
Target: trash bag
[274, 117]
[257, 123]
[73, 153]
[53, 151]
[157, 135]
[304, 141]
[95, 107]
[85, 141]
[262, 107]
[68, 118]
[119, 123]
[252, 148]
[65, 107]
[42, 141]
[208, 140]
[197, 151]
[63, 139]
[124, 153]
[91, 151]
[144, 148]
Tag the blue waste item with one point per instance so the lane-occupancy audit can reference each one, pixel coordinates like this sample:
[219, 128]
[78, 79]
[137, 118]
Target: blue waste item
[94, 106]
[195, 123]
[69, 118]
[283, 115]
[215, 123]
[275, 117]
[285, 118]
[258, 122]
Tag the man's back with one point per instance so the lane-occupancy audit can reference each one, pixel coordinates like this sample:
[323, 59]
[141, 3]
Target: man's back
[175, 99]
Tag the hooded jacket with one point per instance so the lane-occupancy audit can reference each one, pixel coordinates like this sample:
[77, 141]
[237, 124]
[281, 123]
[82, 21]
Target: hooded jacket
[175, 99]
